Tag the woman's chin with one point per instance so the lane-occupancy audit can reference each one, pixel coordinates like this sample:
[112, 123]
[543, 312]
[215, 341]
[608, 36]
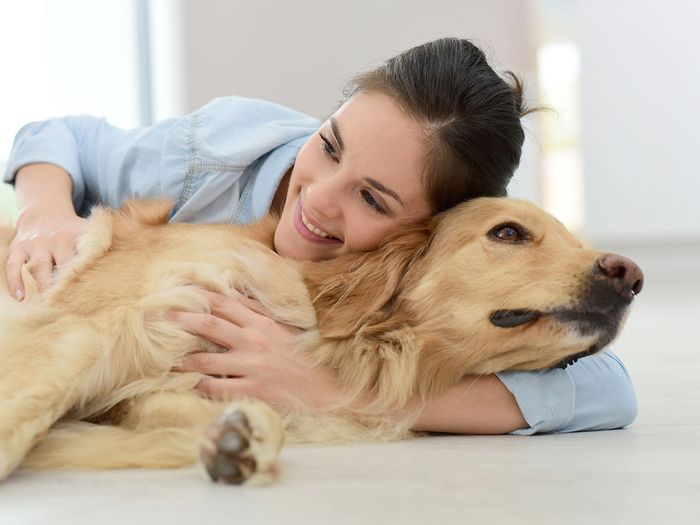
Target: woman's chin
[288, 248]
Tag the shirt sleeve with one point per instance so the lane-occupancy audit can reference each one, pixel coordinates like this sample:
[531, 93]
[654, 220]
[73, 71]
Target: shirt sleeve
[106, 164]
[595, 393]
[203, 162]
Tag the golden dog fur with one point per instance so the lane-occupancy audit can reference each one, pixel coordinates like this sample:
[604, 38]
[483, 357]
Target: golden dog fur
[397, 325]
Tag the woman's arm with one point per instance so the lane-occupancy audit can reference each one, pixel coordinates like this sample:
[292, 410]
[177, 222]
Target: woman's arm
[478, 405]
[44, 186]
[595, 393]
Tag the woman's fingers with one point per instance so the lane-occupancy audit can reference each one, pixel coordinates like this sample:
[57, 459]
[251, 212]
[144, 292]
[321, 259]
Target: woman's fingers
[250, 303]
[209, 326]
[42, 268]
[208, 363]
[13, 273]
[43, 241]
[261, 361]
[43, 263]
[224, 389]
[232, 310]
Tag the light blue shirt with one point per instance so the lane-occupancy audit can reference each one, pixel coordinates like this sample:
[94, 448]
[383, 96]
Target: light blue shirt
[223, 163]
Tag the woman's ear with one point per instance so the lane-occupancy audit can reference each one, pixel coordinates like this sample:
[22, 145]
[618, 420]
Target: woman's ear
[355, 290]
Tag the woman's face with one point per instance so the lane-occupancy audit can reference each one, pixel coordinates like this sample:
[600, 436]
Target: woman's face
[354, 181]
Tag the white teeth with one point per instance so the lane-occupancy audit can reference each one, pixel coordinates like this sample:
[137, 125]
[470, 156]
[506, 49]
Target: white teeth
[312, 228]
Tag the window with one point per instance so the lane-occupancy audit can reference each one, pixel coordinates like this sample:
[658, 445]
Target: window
[71, 57]
[558, 63]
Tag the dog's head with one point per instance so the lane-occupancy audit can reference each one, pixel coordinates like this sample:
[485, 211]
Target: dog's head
[523, 291]
[493, 284]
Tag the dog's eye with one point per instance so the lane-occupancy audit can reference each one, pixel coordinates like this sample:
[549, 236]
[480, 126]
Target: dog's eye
[508, 233]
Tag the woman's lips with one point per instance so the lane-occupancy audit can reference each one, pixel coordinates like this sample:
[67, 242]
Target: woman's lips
[309, 235]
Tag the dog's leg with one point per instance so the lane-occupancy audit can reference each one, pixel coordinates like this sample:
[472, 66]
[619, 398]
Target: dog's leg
[241, 445]
[42, 359]
[165, 430]
[81, 445]
[157, 430]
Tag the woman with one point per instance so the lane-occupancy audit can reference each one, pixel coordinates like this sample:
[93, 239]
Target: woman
[426, 130]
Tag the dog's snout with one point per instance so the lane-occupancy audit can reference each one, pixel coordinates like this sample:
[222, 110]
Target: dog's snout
[623, 274]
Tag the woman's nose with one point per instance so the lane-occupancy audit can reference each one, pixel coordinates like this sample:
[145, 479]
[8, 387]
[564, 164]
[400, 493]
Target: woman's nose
[324, 196]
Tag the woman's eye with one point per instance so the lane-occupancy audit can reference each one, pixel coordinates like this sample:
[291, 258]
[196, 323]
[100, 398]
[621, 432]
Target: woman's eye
[372, 202]
[328, 147]
[508, 233]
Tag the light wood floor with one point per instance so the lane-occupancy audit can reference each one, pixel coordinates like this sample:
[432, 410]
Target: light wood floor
[647, 473]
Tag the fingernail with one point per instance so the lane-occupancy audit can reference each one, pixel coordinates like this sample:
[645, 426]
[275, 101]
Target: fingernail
[170, 315]
[19, 294]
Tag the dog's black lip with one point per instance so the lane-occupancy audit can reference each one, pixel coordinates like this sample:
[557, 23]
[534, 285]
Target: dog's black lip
[567, 361]
[513, 318]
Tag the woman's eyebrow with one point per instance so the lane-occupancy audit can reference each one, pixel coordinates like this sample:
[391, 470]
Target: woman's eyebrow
[380, 187]
[336, 132]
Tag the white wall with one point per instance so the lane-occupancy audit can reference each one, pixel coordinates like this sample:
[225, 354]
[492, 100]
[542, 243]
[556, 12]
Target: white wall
[301, 53]
[641, 119]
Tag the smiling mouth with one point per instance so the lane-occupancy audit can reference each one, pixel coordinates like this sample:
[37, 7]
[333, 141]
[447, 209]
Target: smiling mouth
[313, 229]
[309, 231]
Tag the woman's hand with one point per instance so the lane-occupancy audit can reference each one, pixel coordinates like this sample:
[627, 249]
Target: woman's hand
[45, 240]
[260, 359]
[47, 226]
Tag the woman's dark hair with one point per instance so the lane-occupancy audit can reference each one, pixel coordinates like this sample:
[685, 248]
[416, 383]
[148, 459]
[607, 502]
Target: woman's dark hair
[470, 114]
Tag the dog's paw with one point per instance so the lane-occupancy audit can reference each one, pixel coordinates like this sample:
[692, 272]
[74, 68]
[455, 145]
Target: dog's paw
[242, 445]
[226, 451]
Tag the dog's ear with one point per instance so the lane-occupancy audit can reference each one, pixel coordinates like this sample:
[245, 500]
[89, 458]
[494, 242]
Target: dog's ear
[357, 291]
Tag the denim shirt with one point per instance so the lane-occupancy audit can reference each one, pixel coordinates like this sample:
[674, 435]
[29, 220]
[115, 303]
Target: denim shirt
[223, 163]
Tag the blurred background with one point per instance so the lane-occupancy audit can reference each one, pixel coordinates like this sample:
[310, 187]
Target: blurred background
[614, 160]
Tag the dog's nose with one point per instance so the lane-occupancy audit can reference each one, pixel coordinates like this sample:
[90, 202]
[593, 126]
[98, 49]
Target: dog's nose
[624, 275]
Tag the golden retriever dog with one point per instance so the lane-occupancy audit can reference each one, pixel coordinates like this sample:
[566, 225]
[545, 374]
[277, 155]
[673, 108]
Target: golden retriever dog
[86, 375]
